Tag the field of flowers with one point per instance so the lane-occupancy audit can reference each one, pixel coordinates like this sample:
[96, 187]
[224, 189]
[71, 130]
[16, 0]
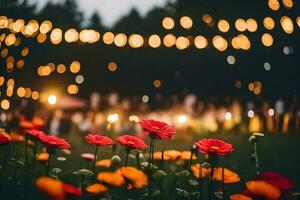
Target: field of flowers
[35, 165]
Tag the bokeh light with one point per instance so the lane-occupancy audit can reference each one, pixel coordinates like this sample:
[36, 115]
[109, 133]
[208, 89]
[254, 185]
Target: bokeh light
[269, 23]
[186, 22]
[223, 25]
[267, 39]
[200, 42]
[287, 24]
[154, 41]
[168, 23]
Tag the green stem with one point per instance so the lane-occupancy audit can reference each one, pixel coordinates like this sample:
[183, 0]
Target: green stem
[126, 164]
[94, 163]
[49, 165]
[223, 184]
[163, 155]
[149, 169]
[137, 160]
[210, 186]
[191, 160]
[82, 187]
[200, 180]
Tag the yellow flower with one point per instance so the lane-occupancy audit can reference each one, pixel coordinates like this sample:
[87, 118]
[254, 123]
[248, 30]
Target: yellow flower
[96, 189]
[229, 176]
[136, 177]
[263, 189]
[51, 187]
[103, 163]
[239, 197]
[195, 169]
[111, 178]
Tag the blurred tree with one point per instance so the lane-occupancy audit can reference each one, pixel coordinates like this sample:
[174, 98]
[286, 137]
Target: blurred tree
[96, 22]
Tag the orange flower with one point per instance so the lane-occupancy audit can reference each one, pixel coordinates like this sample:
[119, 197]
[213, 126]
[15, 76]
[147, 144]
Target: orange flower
[51, 187]
[263, 189]
[96, 189]
[168, 155]
[239, 197]
[42, 157]
[103, 163]
[136, 177]
[111, 178]
[16, 137]
[186, 155]
[24, 124]
[229, 176]
[195, 168]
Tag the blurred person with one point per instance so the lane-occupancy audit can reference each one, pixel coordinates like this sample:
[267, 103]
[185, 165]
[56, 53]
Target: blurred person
[56, 124]
[279, 111]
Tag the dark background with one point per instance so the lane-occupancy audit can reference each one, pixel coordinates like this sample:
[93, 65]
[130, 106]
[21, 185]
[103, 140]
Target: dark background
[204, 72]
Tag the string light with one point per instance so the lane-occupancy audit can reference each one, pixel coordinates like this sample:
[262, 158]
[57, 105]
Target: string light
[186, 22]
[267, 39]
[154, 41]
[269, 23]
[287, 24]
[168, 23]
[200, 42]
[223, 26]
[274, 4]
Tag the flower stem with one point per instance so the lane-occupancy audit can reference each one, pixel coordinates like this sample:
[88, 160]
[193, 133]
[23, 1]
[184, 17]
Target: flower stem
[256, 158]
[94, 163]
[191, 160]
[137, 160]
[150, 169]
[210, 186]
[127, 155]
[223, 184]
[82, 186]
[200, 180]
[49, 165]
[162, 155]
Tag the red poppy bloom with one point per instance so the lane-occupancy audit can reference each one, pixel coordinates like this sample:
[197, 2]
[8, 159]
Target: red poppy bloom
[214, 146]
[99, 140]
[71, 190]
[34, 133]
[54, 142]
[4, 138]
[158, 129]
[276, 179]
[132, 142]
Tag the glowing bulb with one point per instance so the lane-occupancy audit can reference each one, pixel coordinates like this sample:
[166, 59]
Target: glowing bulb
[112, 118]
[271, 112]
[250, 113]
[182, 119]
[52, 99]
[228, 116]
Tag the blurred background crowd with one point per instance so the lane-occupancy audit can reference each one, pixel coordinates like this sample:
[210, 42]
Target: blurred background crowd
[113, 114]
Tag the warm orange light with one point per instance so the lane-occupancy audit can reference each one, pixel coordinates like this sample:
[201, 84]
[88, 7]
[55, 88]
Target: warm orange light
[223, 25]
[186, 22]
[240, 25]
[287, 24]
[136, 40]
[169, 40]
[269, 23]
[112, 66]
[108, 38]
[71, 35]
[154, 41]
[120, 40]
[157, 83]
[168, 23]
[56, 36]
[251, 25]
[267, 39]
[75, 67]
[288, 3]
[72, 89]
[200, 42]
[220, 43]
[274, 4]
[46, 26]
[61, 68]
[182, 43]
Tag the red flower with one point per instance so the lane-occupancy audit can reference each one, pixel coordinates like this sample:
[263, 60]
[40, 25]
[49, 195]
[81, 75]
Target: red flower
[71, 190]
[214, 146]
[158, 129]
[132, 142]
[54, 142]
[276, 179]
[4, 138]
[99, 140]
[34, 133]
